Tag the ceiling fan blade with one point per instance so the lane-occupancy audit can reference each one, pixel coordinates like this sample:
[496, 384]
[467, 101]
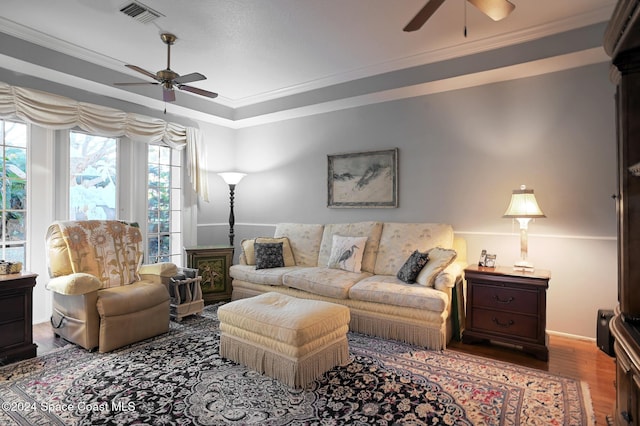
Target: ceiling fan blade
[425, 13]
[494, 9]
[142, 71]
[197, 91]
[135, 84]
[168, 95]
[189, 78]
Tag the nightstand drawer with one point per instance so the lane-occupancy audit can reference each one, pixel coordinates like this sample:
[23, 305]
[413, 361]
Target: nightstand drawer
[11, 334]
[505, 323]
[12, 308]
[505, 298]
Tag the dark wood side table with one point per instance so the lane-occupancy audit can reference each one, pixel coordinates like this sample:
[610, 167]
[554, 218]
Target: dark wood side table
[507, 306]
[213, 263]
[16, 317]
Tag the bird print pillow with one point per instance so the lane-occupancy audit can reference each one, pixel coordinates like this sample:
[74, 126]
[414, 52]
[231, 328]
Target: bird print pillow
[346, 253]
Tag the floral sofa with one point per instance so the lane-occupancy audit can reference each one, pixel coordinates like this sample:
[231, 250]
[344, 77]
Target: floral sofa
[398, 279]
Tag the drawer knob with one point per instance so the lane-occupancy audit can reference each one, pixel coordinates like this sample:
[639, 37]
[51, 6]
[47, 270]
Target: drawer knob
[502, 324]
[497, 299]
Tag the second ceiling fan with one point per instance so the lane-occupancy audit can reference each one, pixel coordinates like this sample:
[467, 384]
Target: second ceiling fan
[494, 9]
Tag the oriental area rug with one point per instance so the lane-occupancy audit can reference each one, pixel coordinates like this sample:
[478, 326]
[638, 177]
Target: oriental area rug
[180, 379]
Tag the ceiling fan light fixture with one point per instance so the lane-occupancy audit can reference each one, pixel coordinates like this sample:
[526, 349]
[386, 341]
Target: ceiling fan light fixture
[168, 95]
[494, 9]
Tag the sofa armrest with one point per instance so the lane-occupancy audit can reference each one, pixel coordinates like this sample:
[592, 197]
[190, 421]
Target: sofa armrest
[74, 284]
[158, 272]
[447, 278]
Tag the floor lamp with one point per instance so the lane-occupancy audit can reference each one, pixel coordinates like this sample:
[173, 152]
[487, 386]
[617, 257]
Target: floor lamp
[232, 179]
[523, 207]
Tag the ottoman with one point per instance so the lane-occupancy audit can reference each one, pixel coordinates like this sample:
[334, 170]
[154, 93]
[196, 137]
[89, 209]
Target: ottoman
[292, 340]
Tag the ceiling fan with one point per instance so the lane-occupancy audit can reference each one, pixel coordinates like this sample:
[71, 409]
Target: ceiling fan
[494, 9]
[169, 78]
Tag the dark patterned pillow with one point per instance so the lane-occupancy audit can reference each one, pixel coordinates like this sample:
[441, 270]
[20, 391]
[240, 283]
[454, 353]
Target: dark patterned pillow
[412, 267]
[268, 255]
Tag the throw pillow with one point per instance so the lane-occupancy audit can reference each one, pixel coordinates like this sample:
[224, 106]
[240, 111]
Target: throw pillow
[249, 250]
[412, 267]
[287, 252]
[439, 259]
[346, 253]
[268, 255]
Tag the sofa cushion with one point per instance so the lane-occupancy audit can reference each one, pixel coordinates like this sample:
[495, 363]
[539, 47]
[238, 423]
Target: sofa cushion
[248, 248]
[269, 255]
[323, 281]
[389, 290]
[412, 267]
[399, 240]
[439, 259]
[371, 230]
[249, 273]
[304, 239]
[346, 253]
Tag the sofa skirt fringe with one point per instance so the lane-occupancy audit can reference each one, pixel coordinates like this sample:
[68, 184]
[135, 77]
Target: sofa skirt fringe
[294, 372]
[433, 338]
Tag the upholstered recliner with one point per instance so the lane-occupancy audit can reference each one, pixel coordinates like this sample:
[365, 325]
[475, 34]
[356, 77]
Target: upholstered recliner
[102, 296]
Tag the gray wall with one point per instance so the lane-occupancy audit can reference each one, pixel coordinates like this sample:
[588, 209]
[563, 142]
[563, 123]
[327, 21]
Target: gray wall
[461, 153]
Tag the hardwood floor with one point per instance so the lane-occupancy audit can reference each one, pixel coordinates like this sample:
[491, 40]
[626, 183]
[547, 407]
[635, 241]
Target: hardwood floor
[579, 359]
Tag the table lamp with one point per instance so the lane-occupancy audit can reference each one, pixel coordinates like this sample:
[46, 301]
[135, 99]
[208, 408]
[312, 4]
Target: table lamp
[523, 207]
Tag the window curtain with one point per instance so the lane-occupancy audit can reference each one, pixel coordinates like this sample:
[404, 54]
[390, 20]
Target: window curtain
[58, 112]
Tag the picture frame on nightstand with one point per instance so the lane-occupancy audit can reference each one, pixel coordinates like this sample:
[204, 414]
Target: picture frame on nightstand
[212, 263]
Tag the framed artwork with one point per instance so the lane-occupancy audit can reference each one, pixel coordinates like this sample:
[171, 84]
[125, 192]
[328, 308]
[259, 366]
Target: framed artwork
[363, 179]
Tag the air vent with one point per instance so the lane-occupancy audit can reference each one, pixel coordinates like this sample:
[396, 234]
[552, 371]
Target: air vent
[140, 12]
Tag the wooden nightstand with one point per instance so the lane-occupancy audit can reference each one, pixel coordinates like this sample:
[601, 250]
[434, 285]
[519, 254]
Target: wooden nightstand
[507, 306]
[213, 263]
[16, 310]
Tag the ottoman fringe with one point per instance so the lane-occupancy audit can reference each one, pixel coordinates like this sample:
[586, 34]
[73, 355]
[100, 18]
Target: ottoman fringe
[295, 373]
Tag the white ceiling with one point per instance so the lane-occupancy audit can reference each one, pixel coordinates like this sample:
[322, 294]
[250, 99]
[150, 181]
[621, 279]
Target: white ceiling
[257, 51]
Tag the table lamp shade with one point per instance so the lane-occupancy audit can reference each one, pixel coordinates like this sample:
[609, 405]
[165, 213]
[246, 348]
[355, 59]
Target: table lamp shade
[523, 205]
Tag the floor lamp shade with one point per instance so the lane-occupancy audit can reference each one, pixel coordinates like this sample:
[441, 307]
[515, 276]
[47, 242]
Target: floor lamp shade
[523, 207]
[232, 179]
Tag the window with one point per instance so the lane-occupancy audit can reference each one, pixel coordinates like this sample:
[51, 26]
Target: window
[92, 177]
[164, 205]
[13, 139]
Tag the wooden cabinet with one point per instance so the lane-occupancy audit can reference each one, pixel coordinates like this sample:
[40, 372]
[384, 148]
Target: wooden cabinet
[213, 263]
[507, 306]
[16, 316]
[627, 353]
[622, 43]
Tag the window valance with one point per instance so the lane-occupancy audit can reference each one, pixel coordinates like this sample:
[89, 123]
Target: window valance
[58, 112]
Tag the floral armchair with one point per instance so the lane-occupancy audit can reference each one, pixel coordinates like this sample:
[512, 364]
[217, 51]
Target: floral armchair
[102, 295]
